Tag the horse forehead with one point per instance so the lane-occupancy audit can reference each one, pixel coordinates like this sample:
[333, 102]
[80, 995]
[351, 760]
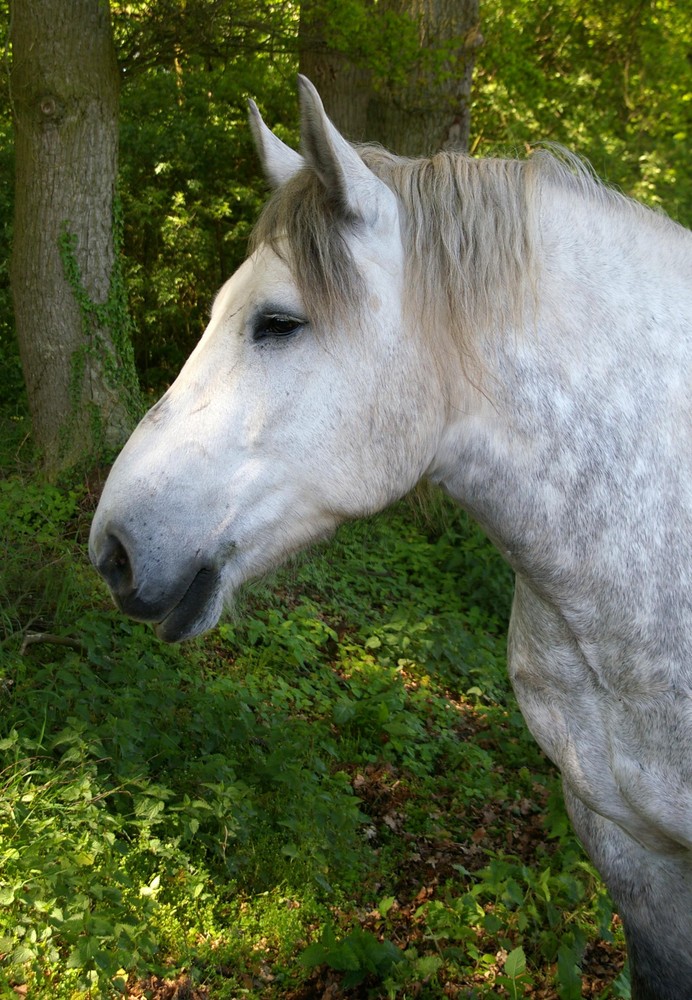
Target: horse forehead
[263, 277]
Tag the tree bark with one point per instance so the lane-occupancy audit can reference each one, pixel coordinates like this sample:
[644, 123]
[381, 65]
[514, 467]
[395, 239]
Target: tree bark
[421, 102]
[69, 304]
[432, 109]
[345, 86]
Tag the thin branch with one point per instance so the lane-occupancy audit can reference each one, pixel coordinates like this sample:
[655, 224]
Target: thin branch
[32, 638]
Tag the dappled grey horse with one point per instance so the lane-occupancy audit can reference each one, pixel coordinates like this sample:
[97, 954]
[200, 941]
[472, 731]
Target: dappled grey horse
[519, 334]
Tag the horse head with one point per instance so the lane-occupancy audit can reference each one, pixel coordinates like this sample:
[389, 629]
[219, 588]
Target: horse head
[304, 404]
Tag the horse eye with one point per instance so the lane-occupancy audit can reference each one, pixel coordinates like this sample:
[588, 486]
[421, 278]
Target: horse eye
[276, 325]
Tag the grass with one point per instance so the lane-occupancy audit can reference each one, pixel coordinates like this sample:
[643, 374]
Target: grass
[333, 791]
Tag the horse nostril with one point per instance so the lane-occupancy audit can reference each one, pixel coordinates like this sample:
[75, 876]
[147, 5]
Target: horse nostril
[114, 566]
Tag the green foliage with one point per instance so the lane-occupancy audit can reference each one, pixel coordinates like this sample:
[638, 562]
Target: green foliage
[384, 43]
[190, 179]
[111, 316]
[35, 584]
[351, 740]
[107, 335]
[612, 81]
[222, 805]
[68, 894]
[191, 189]
[358, 954]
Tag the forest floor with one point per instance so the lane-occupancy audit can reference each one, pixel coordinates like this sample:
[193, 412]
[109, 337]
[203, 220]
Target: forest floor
[331, 795]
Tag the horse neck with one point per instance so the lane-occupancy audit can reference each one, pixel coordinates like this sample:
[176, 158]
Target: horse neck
[601, 251]
[581, 413]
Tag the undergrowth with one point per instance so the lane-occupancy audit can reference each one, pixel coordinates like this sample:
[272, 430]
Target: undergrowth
[334, 790]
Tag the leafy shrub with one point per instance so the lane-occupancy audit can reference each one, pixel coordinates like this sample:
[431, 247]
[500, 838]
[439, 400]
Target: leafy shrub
[358, 954]
[219, 804]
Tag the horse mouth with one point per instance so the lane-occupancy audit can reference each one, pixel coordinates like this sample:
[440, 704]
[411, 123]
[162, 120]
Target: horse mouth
[197, 610]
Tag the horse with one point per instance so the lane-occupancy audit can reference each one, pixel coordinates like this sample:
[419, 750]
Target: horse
[521, 335]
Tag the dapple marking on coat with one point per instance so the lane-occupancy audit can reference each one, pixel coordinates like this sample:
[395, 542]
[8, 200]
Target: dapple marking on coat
[519, 334]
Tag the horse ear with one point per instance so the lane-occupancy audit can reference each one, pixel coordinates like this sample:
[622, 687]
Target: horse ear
[279, 161]
[359, 192]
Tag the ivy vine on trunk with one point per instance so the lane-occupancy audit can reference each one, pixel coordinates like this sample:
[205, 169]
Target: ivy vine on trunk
[68, 296]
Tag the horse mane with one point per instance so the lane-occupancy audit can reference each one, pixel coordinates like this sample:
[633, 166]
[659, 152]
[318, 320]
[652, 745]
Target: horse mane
[469, 228]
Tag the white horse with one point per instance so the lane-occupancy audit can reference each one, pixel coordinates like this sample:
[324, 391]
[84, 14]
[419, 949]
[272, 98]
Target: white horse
[519, 334]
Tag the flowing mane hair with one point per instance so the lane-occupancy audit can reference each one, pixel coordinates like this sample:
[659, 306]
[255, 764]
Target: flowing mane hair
[469, 235]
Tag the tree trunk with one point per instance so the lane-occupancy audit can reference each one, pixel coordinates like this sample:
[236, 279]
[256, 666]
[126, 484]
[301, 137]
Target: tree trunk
[344, 85]
[69, 303]
[432, 109]
[417, 104]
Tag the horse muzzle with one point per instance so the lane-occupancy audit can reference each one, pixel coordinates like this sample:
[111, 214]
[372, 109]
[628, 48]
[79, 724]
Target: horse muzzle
[177, 611]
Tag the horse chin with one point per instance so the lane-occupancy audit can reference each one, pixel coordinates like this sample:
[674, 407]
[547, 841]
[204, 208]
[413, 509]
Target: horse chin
[198, 610]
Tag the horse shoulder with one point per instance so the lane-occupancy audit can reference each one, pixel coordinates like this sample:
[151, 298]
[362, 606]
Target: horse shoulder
[613, 747]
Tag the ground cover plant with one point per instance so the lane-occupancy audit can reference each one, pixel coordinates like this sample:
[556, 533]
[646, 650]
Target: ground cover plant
[334, 794]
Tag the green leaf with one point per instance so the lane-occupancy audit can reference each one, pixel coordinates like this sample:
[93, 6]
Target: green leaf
[22, 954]
[515, 963]
[10, 741]
[568, 974]
[152, 888]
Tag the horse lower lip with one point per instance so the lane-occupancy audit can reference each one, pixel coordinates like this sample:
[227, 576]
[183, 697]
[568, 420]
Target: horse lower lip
[182, 621]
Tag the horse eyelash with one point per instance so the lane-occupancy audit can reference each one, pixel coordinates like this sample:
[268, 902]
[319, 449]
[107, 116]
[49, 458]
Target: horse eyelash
[269, 326]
